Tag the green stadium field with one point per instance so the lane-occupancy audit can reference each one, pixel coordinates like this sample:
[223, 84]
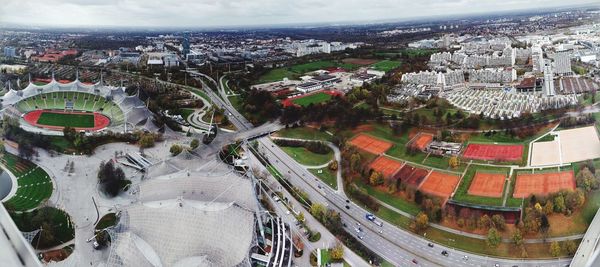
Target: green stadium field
[34, 184]
[386, 65]
[67, 119]
[312, 99]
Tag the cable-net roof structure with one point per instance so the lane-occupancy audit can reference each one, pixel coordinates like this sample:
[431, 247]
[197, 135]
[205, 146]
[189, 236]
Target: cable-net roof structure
[196, 186]
[183, 233]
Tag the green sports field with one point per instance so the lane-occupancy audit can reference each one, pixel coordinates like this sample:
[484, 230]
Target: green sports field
[65, 119]
[312, 99]
[386, 65]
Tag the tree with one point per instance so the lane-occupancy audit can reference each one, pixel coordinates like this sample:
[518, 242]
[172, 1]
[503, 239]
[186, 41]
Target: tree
[147, 140]
[549, 207]
[493, 238]
[112, 179]
[570, 247]
[559, 204]
[484, 221]
[317, 210]
[355, 162]
[421, 222]
[194, 143]
[69, 133]
[175, 149]
[517, 237]
[337, 252]
[586, 180]
[555, 249]
[498, 221]
[333, 165]
[300, 217]
[376, 179]
[544, 224]
[454, 162]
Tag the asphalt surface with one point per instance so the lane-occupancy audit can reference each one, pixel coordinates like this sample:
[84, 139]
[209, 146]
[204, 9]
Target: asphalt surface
[395, 245]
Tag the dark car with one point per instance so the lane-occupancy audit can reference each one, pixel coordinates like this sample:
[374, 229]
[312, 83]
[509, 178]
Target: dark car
[430, 245]
[415, 261]
[347, 207]
[445, 253]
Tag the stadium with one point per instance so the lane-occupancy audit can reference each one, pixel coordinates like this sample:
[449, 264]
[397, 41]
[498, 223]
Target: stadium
[86, 107]
[189, 212]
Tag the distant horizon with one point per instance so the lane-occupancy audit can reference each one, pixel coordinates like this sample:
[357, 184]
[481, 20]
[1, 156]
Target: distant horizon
[7, 18]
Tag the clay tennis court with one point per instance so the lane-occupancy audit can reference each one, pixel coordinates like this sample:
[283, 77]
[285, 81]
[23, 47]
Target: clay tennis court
[543, 183]
[421, 141]
[411, 175]
[386, 166]
[440, 184]
[487, 184]
[370, 144]
[494, 152]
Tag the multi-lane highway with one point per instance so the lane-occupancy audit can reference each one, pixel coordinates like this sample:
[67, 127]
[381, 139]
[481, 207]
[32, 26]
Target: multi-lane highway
[398, 246]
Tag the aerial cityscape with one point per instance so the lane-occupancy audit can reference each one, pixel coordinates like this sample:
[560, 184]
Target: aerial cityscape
[299, 133]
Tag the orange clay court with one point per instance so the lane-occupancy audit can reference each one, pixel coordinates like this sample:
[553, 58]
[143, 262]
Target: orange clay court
[386, 166]
[422, 140]
[440, 184]
[487, 184]
[370, 144]
[543, 183]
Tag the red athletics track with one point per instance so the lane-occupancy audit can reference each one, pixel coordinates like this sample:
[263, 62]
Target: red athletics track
[100, 121]
[494, 152]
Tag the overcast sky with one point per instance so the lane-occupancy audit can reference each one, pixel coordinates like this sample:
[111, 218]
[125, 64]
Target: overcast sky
[210, 13]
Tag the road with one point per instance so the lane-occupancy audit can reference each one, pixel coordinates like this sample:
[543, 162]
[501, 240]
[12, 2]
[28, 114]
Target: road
[394, 244]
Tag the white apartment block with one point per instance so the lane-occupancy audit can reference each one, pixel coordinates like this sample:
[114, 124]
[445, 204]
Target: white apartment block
[493, 75]
[537, 58]
[562, 64]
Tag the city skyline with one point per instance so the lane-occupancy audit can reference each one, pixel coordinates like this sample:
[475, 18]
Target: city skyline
[210, 14]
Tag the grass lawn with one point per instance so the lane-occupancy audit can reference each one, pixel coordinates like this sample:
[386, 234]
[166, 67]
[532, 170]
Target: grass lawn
[386, 65]
[34, 184]
[312, 99]
[327, 176]
[305, 133]
[65, 119]
[107, 220]
[462, 190]
[546, 138]
[325, 258]
[236, 102]
[305, 157]
[185, 112]
[397, 202]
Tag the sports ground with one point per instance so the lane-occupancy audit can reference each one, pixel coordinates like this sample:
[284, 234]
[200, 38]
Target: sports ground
[494, 152]
[543, 183]
[370, 144]
[57, 120]
[567, 147]
[487, 184]
[440, 184]
[421, 141]
[386, 166]
[412, 176]
[310, 98]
